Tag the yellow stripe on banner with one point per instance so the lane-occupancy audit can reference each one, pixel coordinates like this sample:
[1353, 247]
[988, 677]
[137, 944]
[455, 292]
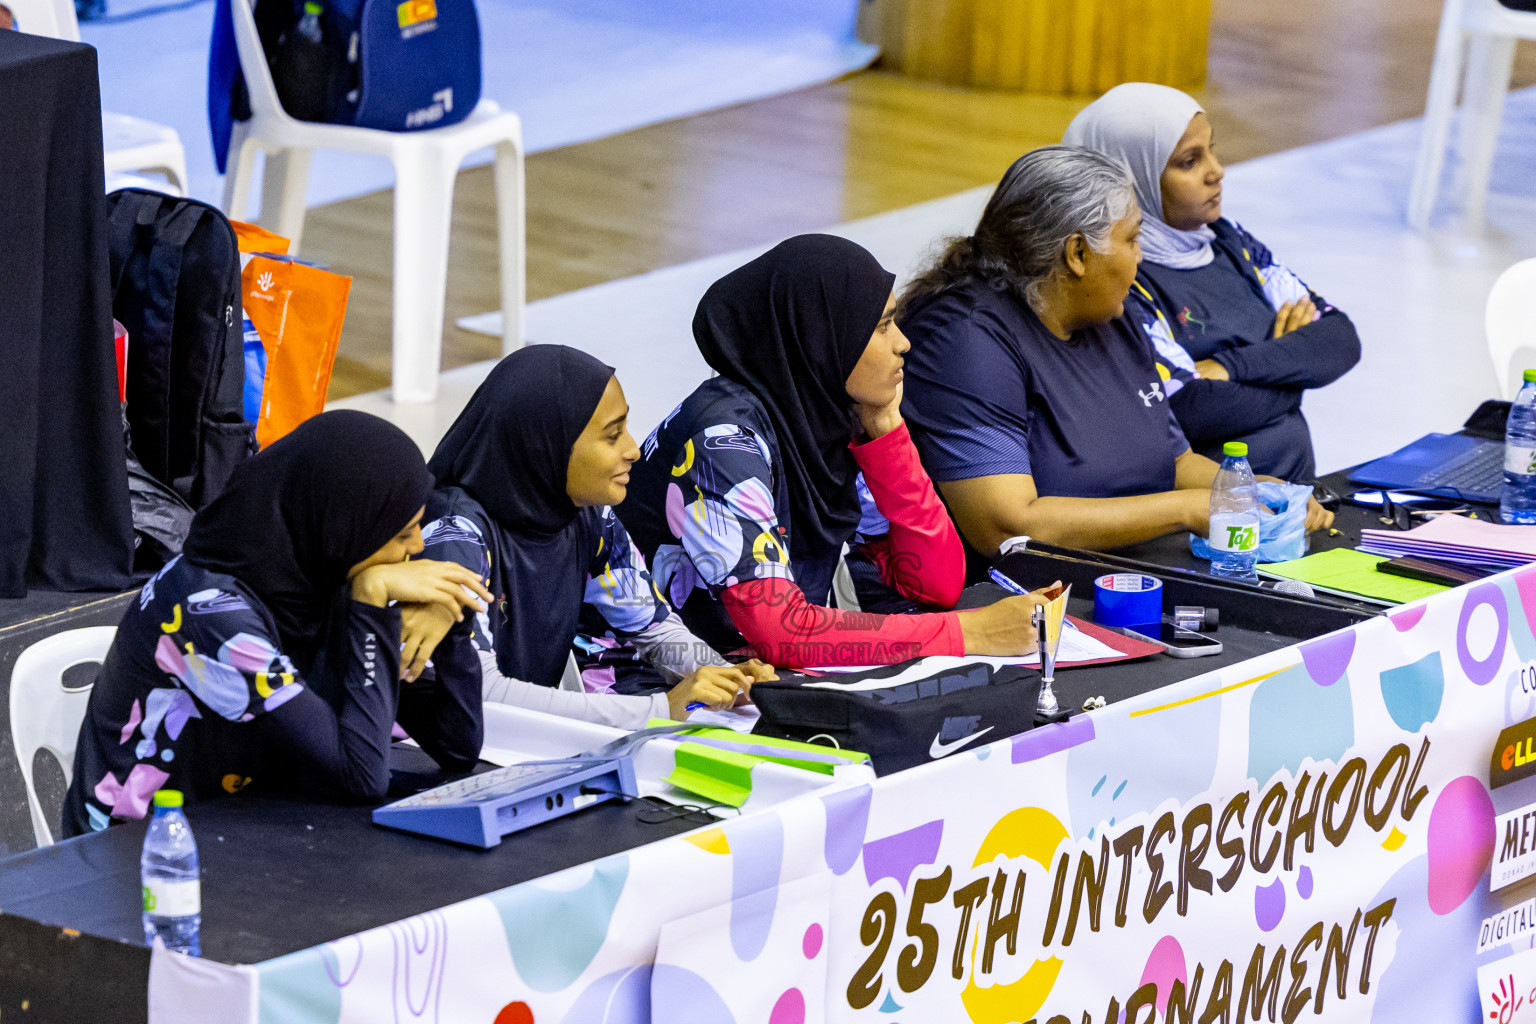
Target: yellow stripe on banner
[1213, 693]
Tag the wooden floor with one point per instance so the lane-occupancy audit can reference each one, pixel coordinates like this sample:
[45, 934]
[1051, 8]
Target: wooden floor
[1281, 75]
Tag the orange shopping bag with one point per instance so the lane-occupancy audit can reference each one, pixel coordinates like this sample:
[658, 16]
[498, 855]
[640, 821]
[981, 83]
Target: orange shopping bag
[298, 311]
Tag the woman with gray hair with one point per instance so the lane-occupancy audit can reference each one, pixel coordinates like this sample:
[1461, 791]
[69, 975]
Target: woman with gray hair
[1037, 405]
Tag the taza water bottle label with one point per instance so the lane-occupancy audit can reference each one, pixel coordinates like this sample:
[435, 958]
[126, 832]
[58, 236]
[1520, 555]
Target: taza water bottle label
[1519, 460]
[172, 899]
[1234, 531]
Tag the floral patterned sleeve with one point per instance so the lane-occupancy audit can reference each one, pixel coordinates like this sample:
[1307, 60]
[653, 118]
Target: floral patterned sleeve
[731, 543]
[456, 538]
[618, 585]
[187, 658]
[720, 509]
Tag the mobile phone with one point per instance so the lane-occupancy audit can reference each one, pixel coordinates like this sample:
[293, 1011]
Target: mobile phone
[1184, 643]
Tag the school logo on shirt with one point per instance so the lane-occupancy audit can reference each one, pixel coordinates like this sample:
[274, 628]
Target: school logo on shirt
[1156, 392]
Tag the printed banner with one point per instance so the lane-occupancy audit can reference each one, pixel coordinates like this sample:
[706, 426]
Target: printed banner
[1337, 832]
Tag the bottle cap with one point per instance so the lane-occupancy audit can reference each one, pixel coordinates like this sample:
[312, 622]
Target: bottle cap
[168, 798]
[1236, 449]
[310, 7]
[1530, 375]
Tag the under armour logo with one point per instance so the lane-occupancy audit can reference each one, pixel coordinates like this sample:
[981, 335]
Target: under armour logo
[265, 282]
[1156, 392]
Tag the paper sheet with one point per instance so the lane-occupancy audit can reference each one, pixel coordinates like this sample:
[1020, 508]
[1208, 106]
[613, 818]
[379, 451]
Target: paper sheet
[742, 719]
[1076, 647]
[1342, 570]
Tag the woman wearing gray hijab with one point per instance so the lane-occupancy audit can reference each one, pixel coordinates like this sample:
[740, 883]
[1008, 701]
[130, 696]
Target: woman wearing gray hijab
[1242, 334]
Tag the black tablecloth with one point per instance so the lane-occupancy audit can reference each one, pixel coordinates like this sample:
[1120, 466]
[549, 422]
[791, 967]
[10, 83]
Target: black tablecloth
[280, 875]
[65, 522]
[1254, 621]
[1171, 555]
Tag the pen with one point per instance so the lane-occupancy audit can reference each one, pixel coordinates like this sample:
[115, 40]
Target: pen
[1007, 584]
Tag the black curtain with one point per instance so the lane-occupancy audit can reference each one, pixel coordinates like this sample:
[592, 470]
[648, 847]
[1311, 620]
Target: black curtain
[65, 523]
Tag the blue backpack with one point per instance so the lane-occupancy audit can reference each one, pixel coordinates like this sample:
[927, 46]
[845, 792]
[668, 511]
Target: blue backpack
[386, 65]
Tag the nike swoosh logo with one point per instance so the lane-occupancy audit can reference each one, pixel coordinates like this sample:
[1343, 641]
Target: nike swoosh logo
[940, 749]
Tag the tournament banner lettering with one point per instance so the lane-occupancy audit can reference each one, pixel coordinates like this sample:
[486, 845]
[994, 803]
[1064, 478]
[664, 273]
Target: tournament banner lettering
[1342, 831]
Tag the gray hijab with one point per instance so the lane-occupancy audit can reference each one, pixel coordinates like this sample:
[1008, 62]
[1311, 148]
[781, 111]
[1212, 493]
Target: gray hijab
[1139, 124]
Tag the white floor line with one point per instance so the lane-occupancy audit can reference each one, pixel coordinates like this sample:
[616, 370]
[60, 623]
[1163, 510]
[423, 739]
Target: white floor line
[1332, 211]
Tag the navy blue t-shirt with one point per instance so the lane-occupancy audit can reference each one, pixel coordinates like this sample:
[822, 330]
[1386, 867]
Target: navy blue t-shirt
[990, 390]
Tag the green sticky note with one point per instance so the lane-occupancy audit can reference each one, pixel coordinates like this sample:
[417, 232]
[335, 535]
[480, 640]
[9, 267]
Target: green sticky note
[1353, 574]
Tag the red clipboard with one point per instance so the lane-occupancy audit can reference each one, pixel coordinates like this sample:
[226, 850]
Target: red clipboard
[1129, 647]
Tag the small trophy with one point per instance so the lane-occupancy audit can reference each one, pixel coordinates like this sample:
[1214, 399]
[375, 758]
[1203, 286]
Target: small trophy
[1049, 619]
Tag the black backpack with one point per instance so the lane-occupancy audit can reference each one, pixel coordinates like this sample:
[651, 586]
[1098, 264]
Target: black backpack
[175, 269]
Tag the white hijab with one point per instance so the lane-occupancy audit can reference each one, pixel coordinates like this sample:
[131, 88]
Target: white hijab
[1139, 124]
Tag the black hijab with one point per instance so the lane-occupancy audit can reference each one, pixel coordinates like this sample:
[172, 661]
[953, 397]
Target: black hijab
[295, 518]
[508, 451]
[790, 326]
[510, 447]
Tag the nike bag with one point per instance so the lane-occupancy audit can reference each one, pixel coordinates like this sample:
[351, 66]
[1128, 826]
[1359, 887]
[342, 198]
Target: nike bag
[902, 715]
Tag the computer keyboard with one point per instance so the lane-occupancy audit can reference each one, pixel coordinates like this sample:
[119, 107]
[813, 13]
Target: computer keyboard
[492, 784]
[479, 810]
[1478, 472]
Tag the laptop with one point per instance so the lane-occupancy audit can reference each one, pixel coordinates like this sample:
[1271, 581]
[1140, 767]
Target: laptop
[1450, 465]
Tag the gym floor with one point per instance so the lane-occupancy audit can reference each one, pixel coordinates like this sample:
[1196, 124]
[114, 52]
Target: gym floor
[1280, 76]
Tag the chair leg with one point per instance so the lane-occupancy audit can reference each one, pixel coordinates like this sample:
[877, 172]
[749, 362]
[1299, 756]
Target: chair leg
[1482, 111]
[511, 230]
[176, 169]
[284, 183]
[238, 172]
[424, 180]
[1438, 108]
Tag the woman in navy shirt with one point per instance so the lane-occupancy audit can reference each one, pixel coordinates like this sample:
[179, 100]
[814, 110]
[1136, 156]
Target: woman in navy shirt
[268, 652]
[1038, 406]
[1239, 330]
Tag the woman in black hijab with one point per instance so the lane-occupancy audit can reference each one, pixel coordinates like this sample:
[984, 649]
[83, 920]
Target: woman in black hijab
[749, 490]
[526, 477]
[267, 652]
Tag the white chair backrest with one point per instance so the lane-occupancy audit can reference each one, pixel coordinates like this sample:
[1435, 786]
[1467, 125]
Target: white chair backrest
[45, 715]
[1511, 324]
[253, 62]
[52, 18]
[1492, 16]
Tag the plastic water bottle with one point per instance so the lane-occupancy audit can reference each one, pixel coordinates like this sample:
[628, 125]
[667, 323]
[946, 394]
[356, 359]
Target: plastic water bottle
[309, 24]
[303, 67]
[1519, 502]
[1234, 536]
[173, 902]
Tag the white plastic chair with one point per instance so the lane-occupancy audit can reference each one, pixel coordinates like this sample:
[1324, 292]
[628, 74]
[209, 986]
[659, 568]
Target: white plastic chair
[128, 143]
[1511, 322]
[426, 164]
[44, 714]
[1491, 29]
